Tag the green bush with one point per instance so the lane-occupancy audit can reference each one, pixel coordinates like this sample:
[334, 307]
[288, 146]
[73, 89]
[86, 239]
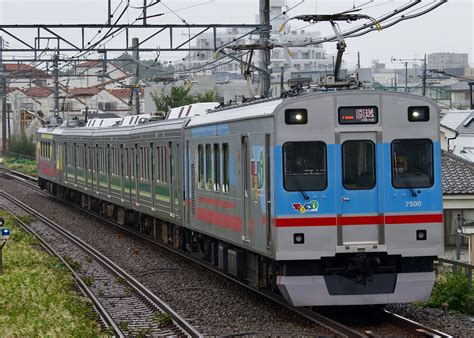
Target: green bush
[21, 145]
[181, 96]
[20, 164]
[453, 289]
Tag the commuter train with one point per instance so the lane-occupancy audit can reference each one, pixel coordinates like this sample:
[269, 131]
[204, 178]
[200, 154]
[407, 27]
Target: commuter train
[329, 198]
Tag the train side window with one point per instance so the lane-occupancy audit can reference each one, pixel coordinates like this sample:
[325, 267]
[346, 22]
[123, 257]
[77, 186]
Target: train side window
[225, 167]
[358, 164]
[208, 167]
[217, 167]
[200, 167]
[164, 163]
[158, 161]
[412, 163]
[304, 166]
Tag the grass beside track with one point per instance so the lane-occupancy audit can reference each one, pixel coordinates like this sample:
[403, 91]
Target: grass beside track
[20, 164]
[37, 296]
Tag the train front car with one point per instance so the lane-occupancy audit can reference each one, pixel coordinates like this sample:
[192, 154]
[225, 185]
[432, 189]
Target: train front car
[358, 204]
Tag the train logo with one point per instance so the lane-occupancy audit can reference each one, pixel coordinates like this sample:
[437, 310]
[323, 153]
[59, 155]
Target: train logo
[312, 206]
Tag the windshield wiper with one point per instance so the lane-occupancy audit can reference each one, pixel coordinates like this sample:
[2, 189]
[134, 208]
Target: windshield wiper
[305, 196]
[407, 182]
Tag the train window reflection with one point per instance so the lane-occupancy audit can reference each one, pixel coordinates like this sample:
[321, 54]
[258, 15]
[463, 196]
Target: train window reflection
[304, 166]
[412, 163]
[358, 160]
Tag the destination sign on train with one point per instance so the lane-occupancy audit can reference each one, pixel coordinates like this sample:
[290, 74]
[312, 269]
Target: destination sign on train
[358, 115]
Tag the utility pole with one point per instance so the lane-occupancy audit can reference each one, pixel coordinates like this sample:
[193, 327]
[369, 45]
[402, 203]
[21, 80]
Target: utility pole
[3, 96]
[424, 76]
[470, 95]
[265, 52]
[136, 79]
[406, 61]
[56, 84]
[406, 77]
[358, 60]
[395, 80]
[459, 224]
[282, 79]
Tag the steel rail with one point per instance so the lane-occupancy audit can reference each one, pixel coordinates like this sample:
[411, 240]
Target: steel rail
[418, 327]
[302, 311]
[103, 313]
[140, 288]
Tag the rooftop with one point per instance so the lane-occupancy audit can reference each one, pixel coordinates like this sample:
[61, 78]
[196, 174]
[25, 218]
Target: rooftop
[455, 118]
[38, 91]
[458, 175]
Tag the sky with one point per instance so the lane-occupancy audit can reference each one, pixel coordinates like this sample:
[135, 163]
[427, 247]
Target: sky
[449, 28]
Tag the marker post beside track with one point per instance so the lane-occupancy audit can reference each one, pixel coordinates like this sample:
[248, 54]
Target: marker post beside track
[3, 240]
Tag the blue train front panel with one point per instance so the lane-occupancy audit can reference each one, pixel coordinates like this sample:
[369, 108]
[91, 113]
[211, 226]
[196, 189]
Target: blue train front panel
[358, 207]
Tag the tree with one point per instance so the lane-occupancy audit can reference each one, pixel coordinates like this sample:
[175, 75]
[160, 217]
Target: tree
[180, 96]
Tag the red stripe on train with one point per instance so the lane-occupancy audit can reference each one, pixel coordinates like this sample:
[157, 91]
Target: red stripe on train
[358, 220]
[405, 219]
[216, 202]
[230, 222]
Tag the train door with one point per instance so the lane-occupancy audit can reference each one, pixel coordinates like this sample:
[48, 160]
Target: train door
[121, 171]
[246, 188]
[54, 160]
[135, 178]
[187, 190]
[97, 167]
[175, 180]
[92, 166]
[127, 174]
[86, 165]
[359, 208]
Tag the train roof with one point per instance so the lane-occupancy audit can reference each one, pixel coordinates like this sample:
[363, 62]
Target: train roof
[269, 106]
[252, 110]
[204, 116]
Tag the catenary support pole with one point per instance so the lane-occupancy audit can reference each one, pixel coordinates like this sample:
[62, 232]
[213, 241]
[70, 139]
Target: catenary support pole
[56, 84]
[136, 79]
[3, 97]
[265, 52]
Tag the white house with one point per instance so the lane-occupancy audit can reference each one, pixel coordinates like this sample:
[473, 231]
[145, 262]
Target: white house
[89, 74]
[24, 76]
[457, 133]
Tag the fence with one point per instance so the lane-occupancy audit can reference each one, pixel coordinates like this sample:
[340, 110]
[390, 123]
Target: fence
[18, 156]
[455, 267]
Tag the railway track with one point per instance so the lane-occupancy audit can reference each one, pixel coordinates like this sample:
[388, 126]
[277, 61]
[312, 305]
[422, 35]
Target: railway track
[375, 321]
[384, 322]
[125, 306]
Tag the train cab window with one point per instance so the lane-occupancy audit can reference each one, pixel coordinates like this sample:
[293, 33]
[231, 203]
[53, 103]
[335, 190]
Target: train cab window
[412, 163]
[304, 166]
[358, 161]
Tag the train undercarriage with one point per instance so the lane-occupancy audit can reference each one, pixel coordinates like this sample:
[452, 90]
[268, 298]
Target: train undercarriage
[344, 279]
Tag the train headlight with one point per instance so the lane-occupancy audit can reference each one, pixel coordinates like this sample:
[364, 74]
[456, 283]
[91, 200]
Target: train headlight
[296, 116]
[421, 235]
[298, 238]
[418, 114]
